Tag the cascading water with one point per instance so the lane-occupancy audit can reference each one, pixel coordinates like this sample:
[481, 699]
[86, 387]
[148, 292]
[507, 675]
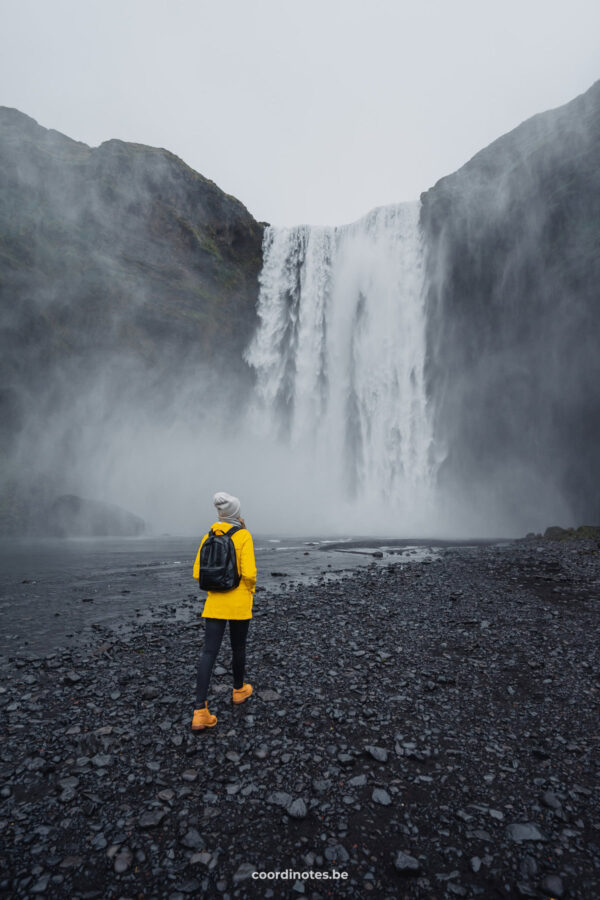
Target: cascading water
[339, 357]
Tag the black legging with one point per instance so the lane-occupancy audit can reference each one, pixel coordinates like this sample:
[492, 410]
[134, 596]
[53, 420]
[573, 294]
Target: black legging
[215, 629]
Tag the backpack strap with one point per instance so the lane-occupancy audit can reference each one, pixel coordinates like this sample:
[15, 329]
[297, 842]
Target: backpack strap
[229, 533]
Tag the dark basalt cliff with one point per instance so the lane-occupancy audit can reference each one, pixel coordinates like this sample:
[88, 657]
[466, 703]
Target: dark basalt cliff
[513, 305]
[118, 264]
[121, 247]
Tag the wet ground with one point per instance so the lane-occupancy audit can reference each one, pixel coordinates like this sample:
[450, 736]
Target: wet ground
[55, 592]
[424, 730]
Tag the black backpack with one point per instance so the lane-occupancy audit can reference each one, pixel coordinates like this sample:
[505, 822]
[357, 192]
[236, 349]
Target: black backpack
[218, 563]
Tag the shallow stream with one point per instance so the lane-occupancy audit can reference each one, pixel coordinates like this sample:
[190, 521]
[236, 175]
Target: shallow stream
[54, 593]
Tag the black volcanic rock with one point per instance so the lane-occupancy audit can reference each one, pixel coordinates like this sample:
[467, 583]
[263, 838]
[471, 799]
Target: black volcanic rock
[513, 261]
[469, 807]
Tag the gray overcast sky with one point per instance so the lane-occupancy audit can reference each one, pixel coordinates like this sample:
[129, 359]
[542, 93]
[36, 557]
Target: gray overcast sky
[308, 111]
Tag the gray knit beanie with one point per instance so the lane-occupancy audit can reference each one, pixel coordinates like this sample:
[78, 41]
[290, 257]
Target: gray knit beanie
[228, 507]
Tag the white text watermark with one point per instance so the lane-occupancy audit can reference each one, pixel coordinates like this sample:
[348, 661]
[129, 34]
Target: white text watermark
[293, 875]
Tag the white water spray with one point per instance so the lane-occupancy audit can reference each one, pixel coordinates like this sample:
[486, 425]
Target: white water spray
[339, 358]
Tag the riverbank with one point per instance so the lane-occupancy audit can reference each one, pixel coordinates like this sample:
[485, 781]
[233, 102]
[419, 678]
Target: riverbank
[56, 593]
[427, 730]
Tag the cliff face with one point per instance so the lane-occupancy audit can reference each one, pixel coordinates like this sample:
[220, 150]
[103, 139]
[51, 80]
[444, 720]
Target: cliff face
[121, 245]
[513, 261]
[118, 266]
[128, 288]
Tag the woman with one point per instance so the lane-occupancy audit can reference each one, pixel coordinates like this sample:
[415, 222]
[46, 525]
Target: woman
[233, 606]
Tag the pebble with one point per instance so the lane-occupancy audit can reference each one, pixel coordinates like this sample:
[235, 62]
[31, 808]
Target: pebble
[280, 798]
[152, 819]
[358, 781]
[553, 885]
[381, 796]
[524, 889]
[528, 867]
[268, 695]
[478, 778]
[193, 840]
[150, 692]
[123, 860]
[203, 858]
[550, 800]
[40, 885]
[345, 759]
[337, 853]
[524, 831]
[71, 862]
[405, 864]
[377, 753]
[192, 886]
[244, 872]
[102, 760]
[297, 809]
[321, 785]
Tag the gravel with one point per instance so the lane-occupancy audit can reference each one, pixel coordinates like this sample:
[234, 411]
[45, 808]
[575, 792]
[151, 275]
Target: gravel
[429, 729]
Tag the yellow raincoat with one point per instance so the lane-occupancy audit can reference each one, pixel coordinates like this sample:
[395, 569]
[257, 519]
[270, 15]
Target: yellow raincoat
[237, 603]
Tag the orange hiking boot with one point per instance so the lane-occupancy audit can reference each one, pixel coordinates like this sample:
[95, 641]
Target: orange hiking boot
[241, 694]
[203, 719]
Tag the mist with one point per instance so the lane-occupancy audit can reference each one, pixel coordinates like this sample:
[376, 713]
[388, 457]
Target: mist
[430, 370]
[164, 461]
[338, 446]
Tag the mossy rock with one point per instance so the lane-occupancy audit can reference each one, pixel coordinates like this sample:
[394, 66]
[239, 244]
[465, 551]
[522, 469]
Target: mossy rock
[582, 533]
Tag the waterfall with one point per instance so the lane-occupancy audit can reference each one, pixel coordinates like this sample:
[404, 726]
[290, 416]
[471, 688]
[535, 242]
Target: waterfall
[339, 355]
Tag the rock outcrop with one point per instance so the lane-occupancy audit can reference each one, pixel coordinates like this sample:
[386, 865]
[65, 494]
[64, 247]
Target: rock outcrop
[73, 516]
[121, 247]
[513, 260]
[582, 533]
[121, 272]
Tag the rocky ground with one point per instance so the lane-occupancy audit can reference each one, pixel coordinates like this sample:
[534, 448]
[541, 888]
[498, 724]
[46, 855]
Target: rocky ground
[425, 731]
